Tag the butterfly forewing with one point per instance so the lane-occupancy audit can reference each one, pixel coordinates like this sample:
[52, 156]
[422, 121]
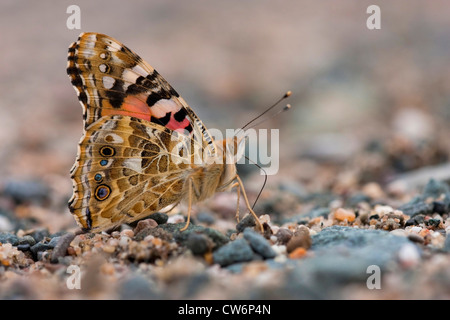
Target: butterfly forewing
[138, 134]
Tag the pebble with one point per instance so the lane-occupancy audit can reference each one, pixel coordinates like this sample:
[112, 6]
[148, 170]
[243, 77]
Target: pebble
[416, 238]
[125, 240]
[5, 224]
[144, 224]
[300, 239]
[297, 253]
[399, 232]
[247, 221]
[127, 232]
[342, 214]
[40, 234]
[259, 244]
[435, 189]
[199, 243]
[9, 238]
[39, 247]
[206, 218]
[418, 219]
[138, 287]
[159, 217]
[409, 255]
[109, 248]
[27, 240]
[235, 251]
[62, 244]
[175, 219]
[415, 207]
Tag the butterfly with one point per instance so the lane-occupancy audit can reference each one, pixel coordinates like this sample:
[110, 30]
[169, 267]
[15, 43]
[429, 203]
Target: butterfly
[143, 148]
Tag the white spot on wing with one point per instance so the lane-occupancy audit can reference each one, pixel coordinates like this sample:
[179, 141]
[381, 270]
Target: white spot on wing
[108, 82]
[139, 70]
[133, 164]
[102, 68]
[130, 76]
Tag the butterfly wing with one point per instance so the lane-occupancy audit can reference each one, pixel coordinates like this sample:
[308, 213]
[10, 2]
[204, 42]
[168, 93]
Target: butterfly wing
[135, 127]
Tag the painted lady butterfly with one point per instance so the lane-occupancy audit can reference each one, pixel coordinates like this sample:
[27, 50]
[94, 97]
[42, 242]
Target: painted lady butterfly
[136, 130]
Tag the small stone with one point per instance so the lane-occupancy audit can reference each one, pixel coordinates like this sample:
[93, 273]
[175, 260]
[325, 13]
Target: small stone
[26, 191]
[440, 207]
[435, 189]
[62, 244]
[40, 234]
[23, 247]
[297, 253]
[418, 219]
[206, 218]
[408, 255]
[344, 214]
[399, 232]
[9, 238]
[300, 239]
[235, 251]
[199, 243]
[416, 238]
[107, 268]
[259, 244]
[53, 242]
[27, 240]
[246, 222]
[175, 219]
[433, 223]
[125, 240]
[159, 217]
[39, 247]
[109, 249]
[145, 224]
[127, 232]
[415, 207]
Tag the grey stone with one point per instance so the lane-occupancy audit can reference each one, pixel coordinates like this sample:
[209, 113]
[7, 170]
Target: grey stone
[138, 288]
[259, 244]
[199, 243]
[235, 251]
[159, 217]
[247, 221]
[9, 238]
[27, 240]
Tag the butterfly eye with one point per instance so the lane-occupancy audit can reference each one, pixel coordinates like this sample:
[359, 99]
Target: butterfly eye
[102, 192]
[98, 177]
[107, 151]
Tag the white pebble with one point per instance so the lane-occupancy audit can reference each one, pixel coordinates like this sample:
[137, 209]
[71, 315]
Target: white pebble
[408, 255]
[382, 210]
[416, 229]
[124, 241]
[177, 218]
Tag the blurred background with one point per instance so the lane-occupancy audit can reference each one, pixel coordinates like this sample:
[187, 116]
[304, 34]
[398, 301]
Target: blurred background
[368, 105]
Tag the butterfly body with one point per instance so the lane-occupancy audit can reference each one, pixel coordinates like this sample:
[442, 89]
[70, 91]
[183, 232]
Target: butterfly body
[143, 148]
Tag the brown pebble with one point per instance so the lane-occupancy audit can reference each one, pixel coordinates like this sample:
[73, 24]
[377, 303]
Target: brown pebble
[61, 247]
[284, 235]
[109, 249]
[416, 238]
[297, 253]
[300, 239]
[344, 214]
[145, 224]
[128, 233]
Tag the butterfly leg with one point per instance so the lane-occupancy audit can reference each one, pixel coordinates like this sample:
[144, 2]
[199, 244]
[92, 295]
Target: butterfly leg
[238, 188]
[189, 206]
[241, 186]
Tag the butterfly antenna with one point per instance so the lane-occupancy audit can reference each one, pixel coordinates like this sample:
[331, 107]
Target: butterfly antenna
[286, 108]
[286, 95]
[265, 180]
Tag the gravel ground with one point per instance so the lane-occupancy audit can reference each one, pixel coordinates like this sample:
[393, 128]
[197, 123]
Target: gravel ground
[360, 206]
